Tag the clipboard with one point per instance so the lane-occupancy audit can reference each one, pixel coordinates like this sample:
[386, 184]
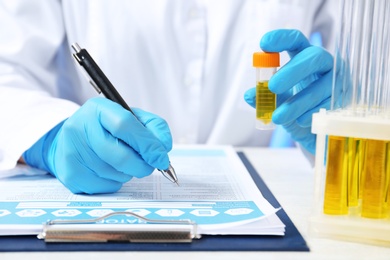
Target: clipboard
[291, 241]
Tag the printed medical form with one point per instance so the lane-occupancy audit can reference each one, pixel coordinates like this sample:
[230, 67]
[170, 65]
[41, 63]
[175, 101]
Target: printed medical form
[216, 191]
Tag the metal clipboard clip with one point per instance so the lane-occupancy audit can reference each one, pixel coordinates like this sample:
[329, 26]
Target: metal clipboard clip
[153, 231]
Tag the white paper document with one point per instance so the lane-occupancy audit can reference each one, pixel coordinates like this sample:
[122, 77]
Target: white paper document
[216, 191]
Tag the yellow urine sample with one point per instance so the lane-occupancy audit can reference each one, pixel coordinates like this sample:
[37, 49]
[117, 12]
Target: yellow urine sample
[388, 178]
[374, 180]
[335, 196]
[265, 102]
[361, 163]
[353, 171]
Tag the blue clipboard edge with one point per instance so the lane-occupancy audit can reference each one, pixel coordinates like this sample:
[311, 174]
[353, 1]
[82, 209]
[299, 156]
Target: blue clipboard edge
[291, 241]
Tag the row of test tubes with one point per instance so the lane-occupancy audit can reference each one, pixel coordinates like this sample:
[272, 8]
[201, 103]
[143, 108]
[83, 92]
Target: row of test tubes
[358, 168]
[358, 177]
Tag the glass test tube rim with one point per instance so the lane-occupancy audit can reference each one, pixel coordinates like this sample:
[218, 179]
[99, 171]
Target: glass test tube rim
[362, 49]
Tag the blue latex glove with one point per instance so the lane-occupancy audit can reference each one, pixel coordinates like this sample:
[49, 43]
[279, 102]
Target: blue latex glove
[303, 85]
[101, 147]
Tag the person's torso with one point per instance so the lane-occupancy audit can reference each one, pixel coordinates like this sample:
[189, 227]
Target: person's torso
[188, 61]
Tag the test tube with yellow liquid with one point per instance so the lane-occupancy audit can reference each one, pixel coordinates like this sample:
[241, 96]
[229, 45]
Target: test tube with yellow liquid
[387, 188]
[356, 155]
[353, 134]
[336, 192]
[374, 190]
[355, 166]
[266, 64]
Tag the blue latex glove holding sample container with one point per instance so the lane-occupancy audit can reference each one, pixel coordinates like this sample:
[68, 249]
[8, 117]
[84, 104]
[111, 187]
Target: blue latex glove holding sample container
[303, 85]
[102, 146]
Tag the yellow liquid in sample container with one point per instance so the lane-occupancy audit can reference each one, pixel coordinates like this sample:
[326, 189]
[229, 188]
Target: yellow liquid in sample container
[388, 178]
[353, 171]
[265, 102]
[374, 180]
[357, 177]
[361, 163]
[335, 197]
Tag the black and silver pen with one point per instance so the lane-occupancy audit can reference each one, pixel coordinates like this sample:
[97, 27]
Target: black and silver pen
[102, 85]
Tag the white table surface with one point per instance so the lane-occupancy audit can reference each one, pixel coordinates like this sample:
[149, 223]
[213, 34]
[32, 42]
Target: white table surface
[290, 177]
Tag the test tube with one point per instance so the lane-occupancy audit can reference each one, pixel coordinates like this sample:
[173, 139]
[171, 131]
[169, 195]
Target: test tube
[361, 91]
[266, 64]
[353, 136]
[335, 197]
[361, 83]
[387, 188]
[374, 180]
[353, 171]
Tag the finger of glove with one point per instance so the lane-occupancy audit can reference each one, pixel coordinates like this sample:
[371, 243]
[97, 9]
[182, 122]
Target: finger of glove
[250, 97]
[118, 154]
[82, 136]
[129, 161]
[292, 41]
[101, 168]
[125, 126]
[80, 179]
[302, 135]
[304, 101]
[306, 119]
[281, 98]
[312, 60]
[157, 126]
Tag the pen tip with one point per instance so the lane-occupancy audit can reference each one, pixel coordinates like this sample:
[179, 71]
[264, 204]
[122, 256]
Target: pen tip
[177, 183]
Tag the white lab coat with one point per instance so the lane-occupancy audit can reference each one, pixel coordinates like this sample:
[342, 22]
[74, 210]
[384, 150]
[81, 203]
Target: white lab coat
[188, 61]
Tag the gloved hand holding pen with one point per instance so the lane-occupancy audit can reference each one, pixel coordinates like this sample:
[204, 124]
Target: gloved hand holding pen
[102, 146]
[303, 85]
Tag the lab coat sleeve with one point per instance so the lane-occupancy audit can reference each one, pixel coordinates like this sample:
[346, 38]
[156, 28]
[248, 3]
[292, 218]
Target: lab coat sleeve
[32, 32]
